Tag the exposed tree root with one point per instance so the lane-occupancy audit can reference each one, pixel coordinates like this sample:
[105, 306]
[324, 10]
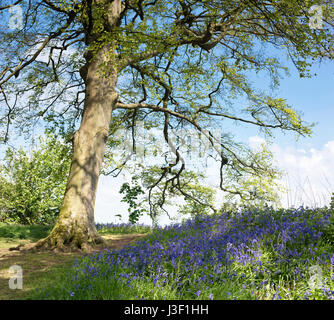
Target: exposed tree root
[63, 240]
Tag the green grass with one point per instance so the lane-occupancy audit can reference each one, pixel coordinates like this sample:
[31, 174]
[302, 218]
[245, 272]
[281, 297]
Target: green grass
[12, 235]
[39, 269]
[19, 232]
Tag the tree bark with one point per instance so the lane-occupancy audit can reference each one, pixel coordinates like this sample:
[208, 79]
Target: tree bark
[75, 227]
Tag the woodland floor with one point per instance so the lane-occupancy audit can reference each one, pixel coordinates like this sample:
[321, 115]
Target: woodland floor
[39, 267]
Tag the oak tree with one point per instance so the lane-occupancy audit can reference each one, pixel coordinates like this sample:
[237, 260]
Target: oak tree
[170, 63]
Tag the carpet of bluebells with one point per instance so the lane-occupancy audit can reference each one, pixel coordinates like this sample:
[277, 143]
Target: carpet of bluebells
[284, 254]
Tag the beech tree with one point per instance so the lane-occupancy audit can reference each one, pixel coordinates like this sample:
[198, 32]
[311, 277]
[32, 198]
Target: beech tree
[170, 63]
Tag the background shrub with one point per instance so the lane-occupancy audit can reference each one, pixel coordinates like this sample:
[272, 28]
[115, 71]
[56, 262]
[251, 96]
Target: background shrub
[32, 185]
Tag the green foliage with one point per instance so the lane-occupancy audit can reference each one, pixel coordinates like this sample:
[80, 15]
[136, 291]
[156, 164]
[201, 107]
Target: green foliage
[193, 198]
[255, 191]
[190, 196]
[131, 197]
[31, 232]
[199, 199]
[122, 228]
[32, 186]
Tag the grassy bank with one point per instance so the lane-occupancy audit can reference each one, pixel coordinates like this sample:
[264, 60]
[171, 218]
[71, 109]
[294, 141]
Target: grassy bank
[285, 254]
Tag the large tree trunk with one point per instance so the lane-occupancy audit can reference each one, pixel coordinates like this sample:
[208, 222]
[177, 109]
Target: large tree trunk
[75, 228]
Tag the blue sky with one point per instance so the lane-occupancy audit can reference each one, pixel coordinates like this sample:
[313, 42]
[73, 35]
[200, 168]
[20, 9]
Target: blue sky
[312, 97]
[310, 161]
[315, 98]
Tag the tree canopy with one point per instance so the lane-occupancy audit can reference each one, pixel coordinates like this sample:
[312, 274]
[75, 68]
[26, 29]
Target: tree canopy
[171, 64]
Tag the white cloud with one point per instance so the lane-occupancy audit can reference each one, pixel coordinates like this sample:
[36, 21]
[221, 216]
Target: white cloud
[108, 200]
[309, 174]
[256, 142]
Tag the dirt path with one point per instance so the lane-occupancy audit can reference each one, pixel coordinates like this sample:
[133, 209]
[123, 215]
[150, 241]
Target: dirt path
[37, 267]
